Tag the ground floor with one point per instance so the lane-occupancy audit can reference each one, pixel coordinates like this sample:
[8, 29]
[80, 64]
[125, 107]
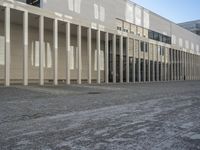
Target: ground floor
[130, 116]
[38, 49]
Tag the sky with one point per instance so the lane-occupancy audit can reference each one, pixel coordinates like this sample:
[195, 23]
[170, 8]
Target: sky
[175, 10]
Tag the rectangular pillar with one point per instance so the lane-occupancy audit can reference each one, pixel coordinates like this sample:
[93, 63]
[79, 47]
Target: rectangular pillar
[165, 64]
[25, 41]
[153, 71]
[175, 67]
[106, 57]
[41, 47]
[79, 54]
[68, 41]
[121, 59]
[168, 69]
[98, 56]
[172, 65]
[7, 46]
[89, 46]
[149, 64]
[158, 63]
[144, 62]
[177, 64]
[114, 58]
[55, 45]
[139, 61]
[127, 60]
[133, 75]
[161, 63]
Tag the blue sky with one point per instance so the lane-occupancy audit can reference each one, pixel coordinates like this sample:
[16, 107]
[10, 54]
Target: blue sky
[174, 10]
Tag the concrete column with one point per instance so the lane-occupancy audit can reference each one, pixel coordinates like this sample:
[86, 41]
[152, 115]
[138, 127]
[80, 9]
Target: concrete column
[114, 58]
[193, 67]
[68, 41]
[106, 57]
[181, 62]
[182, 66]
[165, 64]
[158, 63]
[139, 61]
[168, 53]
[133, 75]
[25, 40]
[79, 55]
[121, 59]
[185, 65]
[55, 44]
[190, 58]
[7, 46]
[127, 60]
[161, 63]
[172, 65]
[175, 65]
[149, 63]
[98, 56]
[153, 71]
[89, 46]
[41, 38]
[144, 63]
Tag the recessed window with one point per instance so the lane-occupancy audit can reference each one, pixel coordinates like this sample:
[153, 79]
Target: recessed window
[33, 2]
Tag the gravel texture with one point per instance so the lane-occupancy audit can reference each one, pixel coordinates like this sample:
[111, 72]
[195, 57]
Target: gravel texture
[149, 116]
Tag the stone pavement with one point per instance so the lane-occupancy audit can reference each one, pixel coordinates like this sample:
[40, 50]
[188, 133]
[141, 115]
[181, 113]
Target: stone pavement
[150, 116]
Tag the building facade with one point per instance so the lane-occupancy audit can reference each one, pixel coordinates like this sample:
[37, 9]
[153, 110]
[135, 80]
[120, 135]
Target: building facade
[92, 41]
[193, 26]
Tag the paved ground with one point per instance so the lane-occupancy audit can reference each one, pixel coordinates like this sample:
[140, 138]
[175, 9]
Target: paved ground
[114, 117]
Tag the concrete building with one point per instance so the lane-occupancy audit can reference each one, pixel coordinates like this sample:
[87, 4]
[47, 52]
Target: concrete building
[92, 41]
[193, 26]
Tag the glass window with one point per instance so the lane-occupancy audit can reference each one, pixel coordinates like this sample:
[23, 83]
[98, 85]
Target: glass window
[142, 46]
[33, 2]
[151, 34]
[156, 36]
[146, 47]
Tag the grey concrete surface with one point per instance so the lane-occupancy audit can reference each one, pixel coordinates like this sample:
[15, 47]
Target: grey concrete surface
[150, 116]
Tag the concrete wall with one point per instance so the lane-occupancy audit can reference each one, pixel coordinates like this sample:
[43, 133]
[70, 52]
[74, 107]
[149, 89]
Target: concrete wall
[33, 71]
[92, 11]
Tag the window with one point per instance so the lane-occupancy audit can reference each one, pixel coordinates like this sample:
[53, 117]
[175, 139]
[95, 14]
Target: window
[119, 28]
[156, 36]
[33, 2]
[159, 37]
[146, 47]
[142, 46]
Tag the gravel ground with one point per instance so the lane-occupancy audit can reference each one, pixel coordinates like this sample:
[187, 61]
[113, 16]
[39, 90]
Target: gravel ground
[150, 116]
